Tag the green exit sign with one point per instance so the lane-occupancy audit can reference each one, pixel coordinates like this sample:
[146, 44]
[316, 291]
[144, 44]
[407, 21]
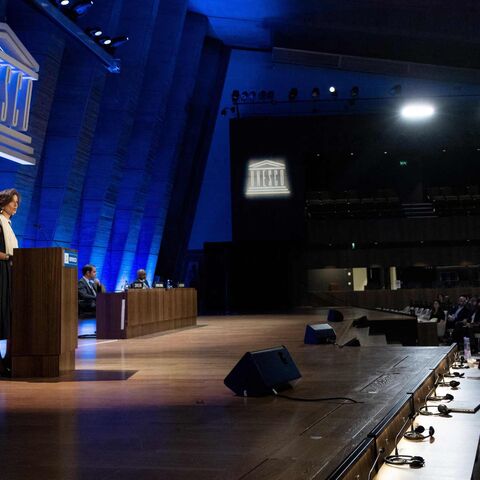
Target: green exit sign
[403, 163]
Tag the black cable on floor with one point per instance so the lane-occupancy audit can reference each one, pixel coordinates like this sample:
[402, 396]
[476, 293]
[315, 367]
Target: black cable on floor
[324, 399]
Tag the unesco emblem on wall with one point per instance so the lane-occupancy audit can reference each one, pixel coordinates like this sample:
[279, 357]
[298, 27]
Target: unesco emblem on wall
[267, 177]
[18, 71]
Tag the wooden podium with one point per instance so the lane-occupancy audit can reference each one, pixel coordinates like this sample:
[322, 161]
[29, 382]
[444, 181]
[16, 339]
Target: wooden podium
[44, 311]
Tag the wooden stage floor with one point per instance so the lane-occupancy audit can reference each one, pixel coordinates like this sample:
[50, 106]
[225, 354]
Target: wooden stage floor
[155, 407]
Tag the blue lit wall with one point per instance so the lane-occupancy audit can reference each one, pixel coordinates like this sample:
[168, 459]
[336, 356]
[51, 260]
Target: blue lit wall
[107, 146]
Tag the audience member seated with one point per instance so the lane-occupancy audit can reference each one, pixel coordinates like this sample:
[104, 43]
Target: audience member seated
[474, 310]
[444, 301]
[437, 311]
[468, 326]
[141, 280]
[88, 288]
[459, 312]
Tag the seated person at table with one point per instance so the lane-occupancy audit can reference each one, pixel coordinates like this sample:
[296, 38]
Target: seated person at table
[141, 279]
[88, 288]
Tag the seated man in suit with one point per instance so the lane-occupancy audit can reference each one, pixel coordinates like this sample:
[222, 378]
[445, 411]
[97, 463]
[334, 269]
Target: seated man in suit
[141, 279]
[459, 312]
[468, 327]
[88, 288]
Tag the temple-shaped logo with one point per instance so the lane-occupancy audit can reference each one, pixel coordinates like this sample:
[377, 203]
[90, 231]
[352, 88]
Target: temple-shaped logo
[18, 71]
[267, 177]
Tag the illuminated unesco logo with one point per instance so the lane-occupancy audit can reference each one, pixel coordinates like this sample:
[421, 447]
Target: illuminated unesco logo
[267, 177]
[18, 71]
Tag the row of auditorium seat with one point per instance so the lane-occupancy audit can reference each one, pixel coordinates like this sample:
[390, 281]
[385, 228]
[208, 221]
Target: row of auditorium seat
[465, 192]
[441, 201]
[353, 197]
[455, 201]
[349, 204]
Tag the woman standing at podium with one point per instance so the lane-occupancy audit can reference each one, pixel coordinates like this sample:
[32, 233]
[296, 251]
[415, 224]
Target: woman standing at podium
[9, 201]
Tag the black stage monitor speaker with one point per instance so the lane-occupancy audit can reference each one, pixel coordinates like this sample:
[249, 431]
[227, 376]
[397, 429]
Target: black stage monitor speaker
[259, 373]
[334, 316]
[319, 333]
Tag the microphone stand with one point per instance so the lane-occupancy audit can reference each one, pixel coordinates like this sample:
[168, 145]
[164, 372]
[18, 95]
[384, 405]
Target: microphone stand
[396, 460]
[426, 412]
[399, 433]
[375, 463]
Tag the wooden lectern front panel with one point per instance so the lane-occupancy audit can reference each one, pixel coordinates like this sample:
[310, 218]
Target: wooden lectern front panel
[37, 301]
[44, 313]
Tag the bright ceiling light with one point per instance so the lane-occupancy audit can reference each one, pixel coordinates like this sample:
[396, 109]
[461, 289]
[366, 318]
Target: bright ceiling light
[417, 111]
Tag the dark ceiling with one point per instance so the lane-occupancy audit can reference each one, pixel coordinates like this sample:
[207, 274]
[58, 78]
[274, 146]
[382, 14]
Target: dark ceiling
[431, 31]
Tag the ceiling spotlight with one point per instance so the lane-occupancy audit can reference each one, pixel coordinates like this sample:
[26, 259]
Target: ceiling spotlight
[81, 7]
[396, 90]
[117, 41]
[94, 32]
[62, 3]
[292, 94]
[316, 92]
[105, 40]
[354, 92]
[417, 111]
[333, 91]
[235, 96]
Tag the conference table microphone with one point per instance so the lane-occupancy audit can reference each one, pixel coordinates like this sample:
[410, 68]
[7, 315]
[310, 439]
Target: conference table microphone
[441, 398]
[453, 384]
[454, 375]
[417, 433]
[424, 409]
[380, 451]
[438, 398]
[460, 363]
[413, 461]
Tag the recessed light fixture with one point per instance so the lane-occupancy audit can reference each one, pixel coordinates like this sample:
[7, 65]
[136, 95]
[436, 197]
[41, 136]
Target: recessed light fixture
[417, 111]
